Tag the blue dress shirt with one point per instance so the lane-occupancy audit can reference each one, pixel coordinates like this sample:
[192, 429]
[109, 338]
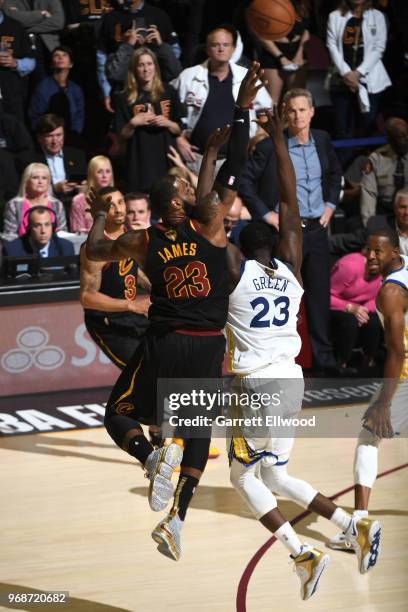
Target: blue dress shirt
[308, 178]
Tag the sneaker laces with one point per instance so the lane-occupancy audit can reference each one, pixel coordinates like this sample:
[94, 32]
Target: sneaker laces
[346, 541]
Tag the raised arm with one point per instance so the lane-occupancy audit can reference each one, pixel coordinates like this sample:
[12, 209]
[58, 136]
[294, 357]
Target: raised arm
[206, 175]
[131, 244]
[290, 231]
[212, 209]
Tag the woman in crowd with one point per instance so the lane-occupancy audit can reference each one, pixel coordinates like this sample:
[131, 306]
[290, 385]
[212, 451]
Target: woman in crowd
[147, 118]
[35, 190]
[100, 174]
[283, 60]
[353, 289]
[356, 39]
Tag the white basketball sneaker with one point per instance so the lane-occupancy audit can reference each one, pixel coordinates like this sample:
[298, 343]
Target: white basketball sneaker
[160, 466]
[167, 534]
[364, 535]
[309, 566]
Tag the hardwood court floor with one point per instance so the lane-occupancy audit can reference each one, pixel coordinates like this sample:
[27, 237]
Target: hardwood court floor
[74, 517]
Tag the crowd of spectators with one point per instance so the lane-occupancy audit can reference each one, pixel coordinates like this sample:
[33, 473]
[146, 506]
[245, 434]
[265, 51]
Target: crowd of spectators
[94, 92]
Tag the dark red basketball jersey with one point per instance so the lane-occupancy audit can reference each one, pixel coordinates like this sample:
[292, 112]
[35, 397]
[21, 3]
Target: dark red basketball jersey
[189, 279]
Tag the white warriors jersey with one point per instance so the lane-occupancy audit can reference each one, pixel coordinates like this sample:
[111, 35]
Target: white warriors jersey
[400, 277]
[262, 317]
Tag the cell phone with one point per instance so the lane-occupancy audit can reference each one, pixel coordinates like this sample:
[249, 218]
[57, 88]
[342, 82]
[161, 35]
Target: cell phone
[142, 27]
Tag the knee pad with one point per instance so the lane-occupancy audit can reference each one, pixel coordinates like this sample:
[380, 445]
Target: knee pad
[277, 479]
[366, 459]
[118, 425]
[252, 490]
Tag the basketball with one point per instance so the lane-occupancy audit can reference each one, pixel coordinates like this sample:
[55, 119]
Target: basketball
[271, 19]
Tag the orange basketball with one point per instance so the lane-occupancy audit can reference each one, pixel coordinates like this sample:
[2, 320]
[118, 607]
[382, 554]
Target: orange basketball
[271, 19]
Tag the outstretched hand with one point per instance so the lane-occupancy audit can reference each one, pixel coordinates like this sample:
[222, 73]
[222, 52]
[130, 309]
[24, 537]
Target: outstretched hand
[218, 138]
[274, 124]
[251, 84]
[97, 204]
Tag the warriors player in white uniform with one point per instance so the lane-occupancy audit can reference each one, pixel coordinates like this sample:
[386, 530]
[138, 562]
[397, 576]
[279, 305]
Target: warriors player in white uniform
[387, 414]
[263, 343]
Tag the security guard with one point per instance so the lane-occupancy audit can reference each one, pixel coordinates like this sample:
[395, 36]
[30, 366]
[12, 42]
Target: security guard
[385, 172]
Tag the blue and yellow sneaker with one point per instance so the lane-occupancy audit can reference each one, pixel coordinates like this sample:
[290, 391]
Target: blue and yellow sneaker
[309, 566]
[364, 535]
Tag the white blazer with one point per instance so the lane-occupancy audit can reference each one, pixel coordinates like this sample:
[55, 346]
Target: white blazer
[193, 89]
[374, 38]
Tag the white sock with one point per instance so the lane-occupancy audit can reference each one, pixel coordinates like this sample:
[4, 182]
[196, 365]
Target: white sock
[360, 514]
[287, 535]
[341, 519]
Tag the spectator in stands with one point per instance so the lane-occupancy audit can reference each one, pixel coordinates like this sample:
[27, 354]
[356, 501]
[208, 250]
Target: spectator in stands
[318, 183]
[397, 220]
[67, 164]
[354, 320]
[78, 12]
[127, 15]
[147, 118]
[356, 39]
[189, 16]
[138, 211]
[100, 174]
[283, 59]
[401, 219]
[35, 187]
[387, 171]
[8, 181]
[117, 63]
[58, 95]
[16, 62]
[14, 137]
[43, 20]
[81, 35]
[209, 90]
[39, 237]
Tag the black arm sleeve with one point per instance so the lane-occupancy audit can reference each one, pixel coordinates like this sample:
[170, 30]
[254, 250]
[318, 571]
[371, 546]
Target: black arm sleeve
[230, 172]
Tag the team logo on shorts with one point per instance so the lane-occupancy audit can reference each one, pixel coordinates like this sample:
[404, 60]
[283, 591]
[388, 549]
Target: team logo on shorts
[124, 407]
[171, 235]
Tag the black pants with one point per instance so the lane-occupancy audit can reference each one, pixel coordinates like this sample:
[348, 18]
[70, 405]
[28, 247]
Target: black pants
[316, 279]
[134, 398]
[347, 335]
[118, 335]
